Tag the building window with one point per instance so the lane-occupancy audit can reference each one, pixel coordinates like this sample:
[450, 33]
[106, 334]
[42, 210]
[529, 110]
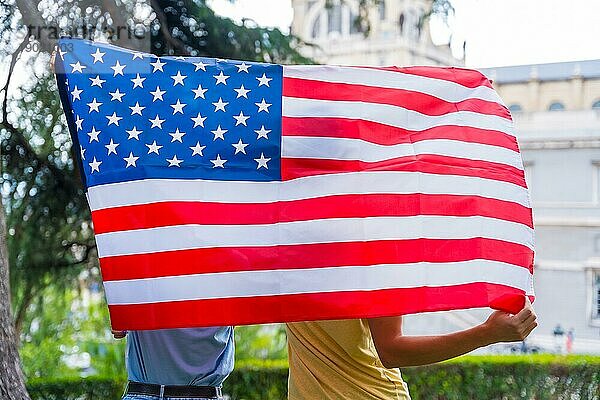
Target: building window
[515, 108]
[596, 105]
[596, 294]
[556, 106]
[334, 19]
[382, 10]
[316, 28]
[355, 23]
[528, 169]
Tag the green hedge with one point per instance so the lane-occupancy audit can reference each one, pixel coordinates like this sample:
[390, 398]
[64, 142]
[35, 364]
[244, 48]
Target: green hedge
[507, 377]
[90, 388]
[540, 377]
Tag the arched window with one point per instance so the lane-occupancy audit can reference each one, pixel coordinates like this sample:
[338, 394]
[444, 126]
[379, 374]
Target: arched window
[596, 105]
[515, 108]
[556, 106]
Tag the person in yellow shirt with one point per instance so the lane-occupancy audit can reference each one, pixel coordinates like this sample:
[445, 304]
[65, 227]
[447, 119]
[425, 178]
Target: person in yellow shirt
[359, 359]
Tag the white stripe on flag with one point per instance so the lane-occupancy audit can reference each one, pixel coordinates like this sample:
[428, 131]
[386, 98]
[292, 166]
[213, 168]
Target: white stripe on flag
[382, 182]
[440, 88]
[333, 230]
[391, 115]
[314, 280]
[329, 148]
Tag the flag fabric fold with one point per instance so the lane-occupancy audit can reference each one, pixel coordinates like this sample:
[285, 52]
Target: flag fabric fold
[228, 192]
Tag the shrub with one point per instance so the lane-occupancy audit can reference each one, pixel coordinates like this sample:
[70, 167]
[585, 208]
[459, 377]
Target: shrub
[90, 388]
[507, 378]
[538, 377]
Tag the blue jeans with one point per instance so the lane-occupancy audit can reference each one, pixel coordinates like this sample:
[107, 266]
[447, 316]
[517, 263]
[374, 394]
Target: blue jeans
[147, 397]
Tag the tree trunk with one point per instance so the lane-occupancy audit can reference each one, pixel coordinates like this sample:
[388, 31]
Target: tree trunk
[12, 381]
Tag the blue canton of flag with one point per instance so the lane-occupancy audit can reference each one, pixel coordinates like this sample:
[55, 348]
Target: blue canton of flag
[138, 116]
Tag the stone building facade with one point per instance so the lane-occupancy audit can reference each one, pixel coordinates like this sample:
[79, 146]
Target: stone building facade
[399, 34]
[556, 108]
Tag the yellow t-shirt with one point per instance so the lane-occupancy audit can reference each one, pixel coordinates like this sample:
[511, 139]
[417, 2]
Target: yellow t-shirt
[338, 360]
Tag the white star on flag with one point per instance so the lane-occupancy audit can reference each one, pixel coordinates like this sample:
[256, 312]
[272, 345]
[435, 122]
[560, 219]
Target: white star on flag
[94, 134]
[243, 67]
[200, 66]
[178, 79]
[219, 133]
[242, 92]
[262, 161]
[218, 162]
[263, 106]
[221, 78]
[153, 147]
[95, 164]
[97, 81]
[114, 119]
[112, 147]
[133, 133]
[118, 69]
[77, 67]
[241, 119]
[76, 93]
[158, 94]
[98, 56]
[178, 107]
[198, 120]
[156, 122]
[197, 149]
[116, 95]
[240, 147]
[177, 135]
[138, 81]
[199, 92]
[131, 159]
[262, 132]
[136, 109]
[158, 65]
[174, 162]
[94, 105]
[220, 105]
[61, 53]
[263, 80]
[78, 123]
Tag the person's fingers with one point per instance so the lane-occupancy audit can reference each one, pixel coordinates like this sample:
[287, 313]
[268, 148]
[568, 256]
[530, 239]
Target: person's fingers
[529, 329]
[119, 334]
[524, 314]
[529, 320]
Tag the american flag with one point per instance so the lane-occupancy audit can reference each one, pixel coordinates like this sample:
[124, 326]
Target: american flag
[227, 192]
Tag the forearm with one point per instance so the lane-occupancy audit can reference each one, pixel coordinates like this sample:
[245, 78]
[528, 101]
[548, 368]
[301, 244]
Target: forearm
[407, 351]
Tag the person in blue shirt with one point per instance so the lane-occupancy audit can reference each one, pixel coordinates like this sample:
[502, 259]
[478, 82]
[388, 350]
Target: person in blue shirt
[182, 364]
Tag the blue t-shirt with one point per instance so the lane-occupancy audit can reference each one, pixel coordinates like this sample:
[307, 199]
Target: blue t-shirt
[195, 356]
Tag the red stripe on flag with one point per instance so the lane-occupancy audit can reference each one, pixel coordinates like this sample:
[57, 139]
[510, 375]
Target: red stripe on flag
[465, 77]
[211, 260]
[314, 306]
[292, 168]
[389, 135]
[417, 101]
[341, 206]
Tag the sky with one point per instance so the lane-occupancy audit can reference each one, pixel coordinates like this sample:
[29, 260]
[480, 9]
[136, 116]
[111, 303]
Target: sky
[497, 32]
